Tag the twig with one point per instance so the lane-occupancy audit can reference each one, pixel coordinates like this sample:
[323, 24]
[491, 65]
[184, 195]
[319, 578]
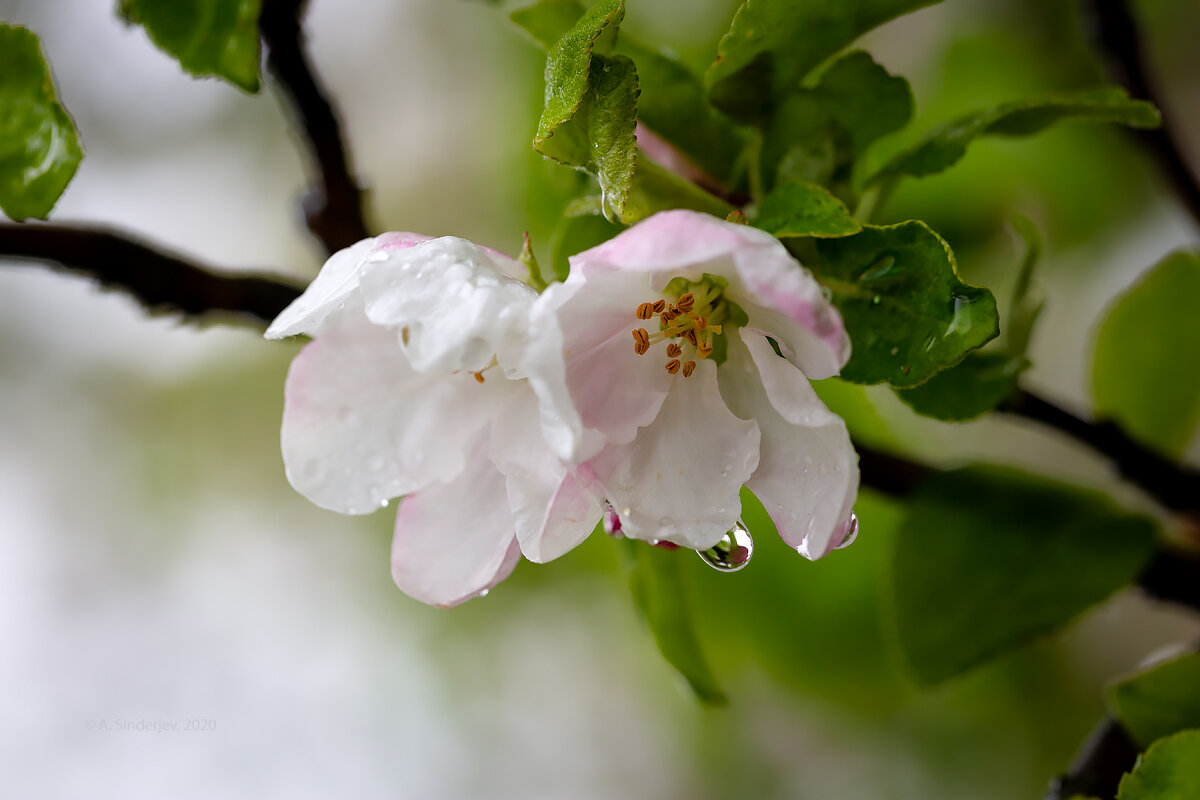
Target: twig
[333, 208]
[1115, 31]
[1175, 486]
[1107, 755]
[163, 282]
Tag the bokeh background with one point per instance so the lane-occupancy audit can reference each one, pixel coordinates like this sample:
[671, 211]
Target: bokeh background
[155, 565]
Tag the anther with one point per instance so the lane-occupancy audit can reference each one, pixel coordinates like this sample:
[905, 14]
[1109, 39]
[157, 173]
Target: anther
[701, 323]
[704, 349]
[641, 341]
[674, 350]
[690, 335]
[670, 314]
[645, 311]
[478, 376]
[688, 368]
[673, 366]
[686, 302]
[659, 305]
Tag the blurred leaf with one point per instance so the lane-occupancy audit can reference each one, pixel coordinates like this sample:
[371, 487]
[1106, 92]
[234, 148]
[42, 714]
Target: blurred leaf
[804, 209]
[39, 146]
[773, 44]
[662, 593]
[206, 37]
[548, 21]
[1144, 370]
[655, 188]
[907, 313]
[1160, 701]
[976, 385]
[580, 228]
[854, 103]
[851, 402]
[988, 558]
[943, 147]
[673, 105]
[1026, 304]
[1167, 771]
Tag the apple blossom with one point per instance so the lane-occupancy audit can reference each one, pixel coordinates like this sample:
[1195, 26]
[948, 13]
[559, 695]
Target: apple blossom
[674, 367]
[413, 385]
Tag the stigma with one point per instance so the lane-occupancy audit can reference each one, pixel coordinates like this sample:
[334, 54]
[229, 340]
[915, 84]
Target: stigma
[688, 326]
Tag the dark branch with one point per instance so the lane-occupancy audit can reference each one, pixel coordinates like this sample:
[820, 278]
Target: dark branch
[1106, 756]
[1115, 31]
[333, 209]
[1175, 486]
[163, 282]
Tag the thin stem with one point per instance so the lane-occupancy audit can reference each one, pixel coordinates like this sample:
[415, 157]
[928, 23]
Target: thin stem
[333, 208]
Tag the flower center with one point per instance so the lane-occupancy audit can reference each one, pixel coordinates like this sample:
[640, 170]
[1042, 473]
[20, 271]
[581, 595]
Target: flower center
[690, 326]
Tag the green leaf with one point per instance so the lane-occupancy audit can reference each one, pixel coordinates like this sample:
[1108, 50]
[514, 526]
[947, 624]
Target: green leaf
[907, 313]
[818, 133]
[548, 21]
[976, 385]
[663, 594]
[39, 146]
[655, 188]
[1167, 771]
[773, 44]
[1144, 369]
[988, 558]
[1026, 303]
[581, 228]
[943, 147]
[611, 122]
[562, 132]
[206, 37]
[673, 105]
[1159, 701]
[804, 209]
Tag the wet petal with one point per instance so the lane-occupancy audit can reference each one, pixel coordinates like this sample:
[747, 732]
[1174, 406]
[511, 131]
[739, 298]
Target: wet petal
[454, 540]
[807, 476]
[334, 284]
[456, 304]
[679, 479]
[581, 362]
[361, 426]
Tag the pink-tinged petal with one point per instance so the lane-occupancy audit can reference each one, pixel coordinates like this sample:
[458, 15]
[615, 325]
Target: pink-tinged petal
[361, 426]
[807, 476]
[593, 387]
[679, 480]
[552, 509]
[457, 307]
[454, 540]
[334, 284]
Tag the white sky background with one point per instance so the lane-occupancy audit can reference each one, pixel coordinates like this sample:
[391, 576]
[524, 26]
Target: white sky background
[143, 580]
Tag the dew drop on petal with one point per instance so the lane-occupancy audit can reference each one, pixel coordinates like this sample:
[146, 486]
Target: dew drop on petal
[732, 553]
[484, 593]
[847, 532]
[612, 523]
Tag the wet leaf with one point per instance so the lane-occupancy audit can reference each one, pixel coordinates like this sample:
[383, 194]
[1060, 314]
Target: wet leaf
[206, 37]
[1144, 368]
[773, 44]
[907, 313]
[976, 385]
[662, 592]
[804, 209]
[1167, 771]
[1159, 701]
[39, 146]
[988, 558]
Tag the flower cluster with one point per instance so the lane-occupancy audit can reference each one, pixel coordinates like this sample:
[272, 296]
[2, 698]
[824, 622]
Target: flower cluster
[668, 371]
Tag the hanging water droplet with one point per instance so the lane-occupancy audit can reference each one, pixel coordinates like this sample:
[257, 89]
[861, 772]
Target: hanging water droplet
[612, 523]
[484, 593]
[384, 502]
[847, 532]
[732, 553]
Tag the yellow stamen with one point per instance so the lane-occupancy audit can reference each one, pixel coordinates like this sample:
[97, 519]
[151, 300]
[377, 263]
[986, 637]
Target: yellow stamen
[673, 366]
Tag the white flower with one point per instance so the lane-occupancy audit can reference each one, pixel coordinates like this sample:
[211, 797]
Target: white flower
[626, 355]
[414, 386]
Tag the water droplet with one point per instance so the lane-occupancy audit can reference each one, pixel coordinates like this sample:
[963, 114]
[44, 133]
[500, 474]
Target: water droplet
[876, 299]
[895, 350]
[612, 523]
[384, 503]
[664, 544]
[847, 532]
[484, 593]
[732, 553]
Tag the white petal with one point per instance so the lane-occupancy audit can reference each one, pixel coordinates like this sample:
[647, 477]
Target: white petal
[458, 307]
[334, 284]
[679, 479]
[361, 426]
[454, 540]
[553, 512]
[586, 325]
[807, 476]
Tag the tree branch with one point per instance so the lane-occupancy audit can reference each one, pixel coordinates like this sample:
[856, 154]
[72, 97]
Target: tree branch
[1175, 486]
[163, 282]
[333, 208]
[1114, 30]
[1106, 756]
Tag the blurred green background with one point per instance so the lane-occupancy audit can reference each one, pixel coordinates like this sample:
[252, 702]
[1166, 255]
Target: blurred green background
[154, 563]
